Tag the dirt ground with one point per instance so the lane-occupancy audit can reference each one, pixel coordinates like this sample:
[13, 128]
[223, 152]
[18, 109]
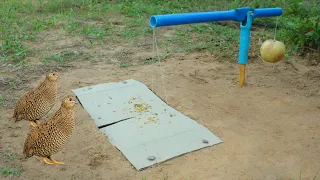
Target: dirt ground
[270, 128]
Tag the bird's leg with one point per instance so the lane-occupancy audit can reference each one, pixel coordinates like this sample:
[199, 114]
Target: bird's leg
[54, 161]
[32, 123]
[44, 159]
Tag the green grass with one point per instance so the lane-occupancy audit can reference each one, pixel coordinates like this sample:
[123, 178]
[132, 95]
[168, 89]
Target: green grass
[23, 20]
[11, 83]
[124, 65]
[61, 58]
[314, 178]
[7, 166]
[6, 154]
[10, 171]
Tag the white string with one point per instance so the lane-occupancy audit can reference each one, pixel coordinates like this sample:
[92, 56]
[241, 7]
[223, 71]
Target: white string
[161, 69]
[153, 44]
[274, 38]
[275, 31]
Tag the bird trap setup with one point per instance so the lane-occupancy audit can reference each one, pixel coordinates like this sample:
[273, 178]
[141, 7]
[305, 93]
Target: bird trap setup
[244, 15]
[142, 126]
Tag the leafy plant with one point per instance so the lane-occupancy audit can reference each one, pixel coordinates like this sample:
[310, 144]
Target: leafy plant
[124, 65]
[10, 171]
[11, 84]
[303, 28]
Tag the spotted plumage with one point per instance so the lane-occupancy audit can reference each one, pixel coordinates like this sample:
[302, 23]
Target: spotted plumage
[36, 103]
[48, 137]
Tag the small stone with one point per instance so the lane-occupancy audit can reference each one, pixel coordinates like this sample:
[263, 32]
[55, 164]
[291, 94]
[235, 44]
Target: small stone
[99, 117]
[205, 141]
[13, 135]
[313, 62]
[124, 82]
[151, 158]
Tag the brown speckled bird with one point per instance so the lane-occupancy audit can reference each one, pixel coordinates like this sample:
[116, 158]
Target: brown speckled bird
[48, 137]
[36, 103]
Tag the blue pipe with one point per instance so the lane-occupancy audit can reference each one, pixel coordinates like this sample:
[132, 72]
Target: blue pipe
[238, 14]
[245, 39]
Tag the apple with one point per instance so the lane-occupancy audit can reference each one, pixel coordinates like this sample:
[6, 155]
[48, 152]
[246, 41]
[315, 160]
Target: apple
[272, 51]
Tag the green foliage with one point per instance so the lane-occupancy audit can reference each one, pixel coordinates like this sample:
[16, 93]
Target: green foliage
[18, 24]
[8, 154]
[7, 166]
[60, 58]
[10, 171]
[56, 6]
[23, 20]
[96, 31]
[124, 64]
[305, 20]
[11, 35]
[11, 84]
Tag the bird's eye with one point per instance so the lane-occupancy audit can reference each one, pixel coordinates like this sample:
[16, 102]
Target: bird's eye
[70, 99]
[54, 74]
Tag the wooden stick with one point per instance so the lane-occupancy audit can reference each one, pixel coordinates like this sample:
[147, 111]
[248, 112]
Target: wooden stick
[242, 74]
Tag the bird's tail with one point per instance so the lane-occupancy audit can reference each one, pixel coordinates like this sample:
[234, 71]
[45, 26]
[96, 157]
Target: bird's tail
[24, 157]
[28, 150]
[15, 115]
[26, 154]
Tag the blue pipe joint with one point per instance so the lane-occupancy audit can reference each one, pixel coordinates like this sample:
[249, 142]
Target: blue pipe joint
[238, 14]
[245, 27]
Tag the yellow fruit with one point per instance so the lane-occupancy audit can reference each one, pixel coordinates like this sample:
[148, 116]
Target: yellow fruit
[272, 51]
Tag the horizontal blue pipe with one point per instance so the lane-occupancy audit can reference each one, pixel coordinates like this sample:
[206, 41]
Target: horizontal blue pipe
[238, 14]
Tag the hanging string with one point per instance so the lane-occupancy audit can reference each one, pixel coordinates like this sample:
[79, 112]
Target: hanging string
[274, 67]
[155, 45]
[153, 50]
[275, 31]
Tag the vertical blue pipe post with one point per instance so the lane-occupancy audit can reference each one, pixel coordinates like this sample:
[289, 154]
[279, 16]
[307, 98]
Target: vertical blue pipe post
[245, 27]
[245, 39]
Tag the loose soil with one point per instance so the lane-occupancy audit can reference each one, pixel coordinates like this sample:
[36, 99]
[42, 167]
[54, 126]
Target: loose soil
[270, 128]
